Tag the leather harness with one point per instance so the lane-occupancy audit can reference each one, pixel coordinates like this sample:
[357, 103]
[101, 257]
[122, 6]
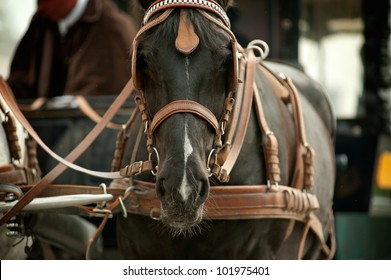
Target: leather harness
[271, 200]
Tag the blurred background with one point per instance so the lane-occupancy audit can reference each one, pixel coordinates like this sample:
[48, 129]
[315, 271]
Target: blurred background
[343, 44]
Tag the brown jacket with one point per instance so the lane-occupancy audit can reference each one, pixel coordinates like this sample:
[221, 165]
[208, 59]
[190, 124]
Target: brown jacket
[92, 59]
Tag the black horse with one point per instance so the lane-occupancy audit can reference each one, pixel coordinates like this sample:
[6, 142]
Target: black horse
[185, 54]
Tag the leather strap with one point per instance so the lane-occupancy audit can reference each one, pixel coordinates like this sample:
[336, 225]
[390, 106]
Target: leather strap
[278, 87]
[87, 110]
[314, 224]
[97, 233]
[245, 99]
[84, 144]
[56, 171]
[14, 176]
[122, 138]
[270, 143]
[229, 202]
[184, 106]
[233, 202]
[36, 105]
[305, 156]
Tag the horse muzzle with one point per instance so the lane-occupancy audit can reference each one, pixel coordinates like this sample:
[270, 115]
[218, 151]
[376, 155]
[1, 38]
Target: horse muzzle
[182, 201]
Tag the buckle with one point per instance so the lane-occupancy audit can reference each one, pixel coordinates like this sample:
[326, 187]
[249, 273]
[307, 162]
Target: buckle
[140, 168]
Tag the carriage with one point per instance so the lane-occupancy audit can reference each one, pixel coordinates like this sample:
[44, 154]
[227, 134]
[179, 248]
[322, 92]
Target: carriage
[253, 200]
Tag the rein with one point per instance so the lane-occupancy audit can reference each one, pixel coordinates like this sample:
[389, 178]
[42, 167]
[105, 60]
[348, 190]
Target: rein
[68, 161]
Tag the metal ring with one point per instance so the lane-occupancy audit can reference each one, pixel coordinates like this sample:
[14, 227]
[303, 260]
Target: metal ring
[154, 217]
[131, 204]
[11, 188]
[222, 127]
[154, 173]
[104, 188]
[128, 189]
[208, 161]
[123, 208]
[260, 50]
[261, 46]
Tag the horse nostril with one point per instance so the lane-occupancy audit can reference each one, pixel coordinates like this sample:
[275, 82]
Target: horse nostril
[160, 191]
[203, 191]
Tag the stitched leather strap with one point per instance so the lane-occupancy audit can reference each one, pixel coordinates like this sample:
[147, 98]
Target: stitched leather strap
[233, 202]
[229, 202]
[237, 128]
[304, 171]
[184, 106]
[270, 143]
[14, 176]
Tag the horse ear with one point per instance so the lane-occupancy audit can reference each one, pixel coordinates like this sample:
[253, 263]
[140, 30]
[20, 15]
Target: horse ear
[146, 3]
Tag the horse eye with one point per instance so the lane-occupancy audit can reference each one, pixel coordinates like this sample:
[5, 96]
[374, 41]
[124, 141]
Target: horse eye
[225, 62]
[143, 64]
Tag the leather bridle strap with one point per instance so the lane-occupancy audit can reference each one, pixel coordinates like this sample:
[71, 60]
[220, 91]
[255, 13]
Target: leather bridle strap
[68, 161]
[222, 173]
[184, 106]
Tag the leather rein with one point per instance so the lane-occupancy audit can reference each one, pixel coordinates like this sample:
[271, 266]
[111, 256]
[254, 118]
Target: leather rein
[272, 200]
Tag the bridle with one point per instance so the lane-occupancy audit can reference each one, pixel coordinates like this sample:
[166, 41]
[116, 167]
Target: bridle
[289, 202]
[230, 202]
[216, 14]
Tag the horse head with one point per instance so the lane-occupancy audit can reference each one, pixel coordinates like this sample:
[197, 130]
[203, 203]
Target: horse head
[184, 99]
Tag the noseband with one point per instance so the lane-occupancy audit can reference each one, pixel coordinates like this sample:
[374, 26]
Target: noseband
[206, 8]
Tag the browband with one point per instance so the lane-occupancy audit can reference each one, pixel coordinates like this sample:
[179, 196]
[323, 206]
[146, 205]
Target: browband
[208, 5]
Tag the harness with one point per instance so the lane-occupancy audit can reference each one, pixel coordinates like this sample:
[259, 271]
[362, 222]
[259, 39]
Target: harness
[272, 200]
